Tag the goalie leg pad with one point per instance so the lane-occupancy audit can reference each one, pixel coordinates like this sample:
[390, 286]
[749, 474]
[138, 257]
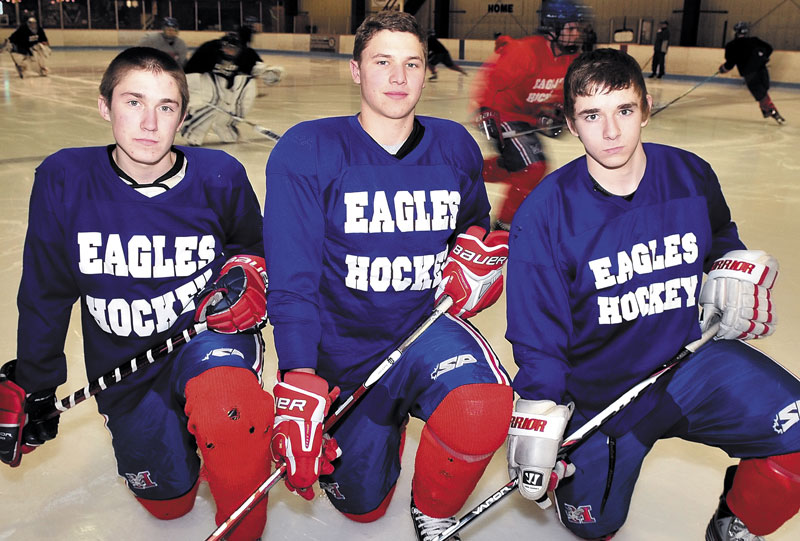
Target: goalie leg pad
[231, 418]
[456, 445]
[766, 492]
[379, 511]
[170, 509]
[521, 184]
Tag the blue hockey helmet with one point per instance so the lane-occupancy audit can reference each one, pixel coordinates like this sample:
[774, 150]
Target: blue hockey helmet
[555, 14]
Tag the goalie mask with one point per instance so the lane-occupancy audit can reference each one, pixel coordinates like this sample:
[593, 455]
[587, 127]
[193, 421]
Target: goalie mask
[555, 15]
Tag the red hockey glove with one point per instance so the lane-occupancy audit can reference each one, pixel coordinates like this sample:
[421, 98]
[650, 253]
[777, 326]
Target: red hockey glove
[488, 121]
[301, 403]
[22, 428]
[737, 290]
[237, 300]
[473, 273]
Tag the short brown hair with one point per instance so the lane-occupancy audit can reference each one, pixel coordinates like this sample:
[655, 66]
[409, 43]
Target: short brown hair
[395, 21]
[147, 59]
[599, 70]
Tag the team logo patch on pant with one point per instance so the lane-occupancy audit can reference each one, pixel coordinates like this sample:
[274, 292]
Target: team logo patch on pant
[333, 490]
[451, 364]
[579, 515]
[223, 352]
[140, 480]
[787, 418]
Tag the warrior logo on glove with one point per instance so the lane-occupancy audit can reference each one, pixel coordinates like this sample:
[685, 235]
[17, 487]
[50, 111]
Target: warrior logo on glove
[473, 273]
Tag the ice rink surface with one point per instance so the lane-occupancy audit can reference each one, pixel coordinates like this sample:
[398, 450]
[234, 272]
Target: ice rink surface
[69, 489]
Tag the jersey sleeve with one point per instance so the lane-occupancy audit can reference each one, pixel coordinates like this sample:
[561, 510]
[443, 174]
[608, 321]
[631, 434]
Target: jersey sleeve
[294, 232]
[503, 75]
[724, 233]
[475, 206]
[47, 289]
[244, 227]
[539, 322]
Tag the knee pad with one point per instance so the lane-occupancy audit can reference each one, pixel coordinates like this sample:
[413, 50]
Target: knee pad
[766, 492]
[521, 184]
[231, 418]
[456, 445]
[379, 511]
[170, 509]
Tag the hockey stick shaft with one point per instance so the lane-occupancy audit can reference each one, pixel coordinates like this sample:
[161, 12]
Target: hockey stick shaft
[126, 369]
[223, 529]
[260, 129]
[571, 441]
[704, 81]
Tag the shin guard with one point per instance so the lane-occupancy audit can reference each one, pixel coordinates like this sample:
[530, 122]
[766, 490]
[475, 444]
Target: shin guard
[456, 445]
[521, 184]
[766, 492]
[170, 509]
[231, 418]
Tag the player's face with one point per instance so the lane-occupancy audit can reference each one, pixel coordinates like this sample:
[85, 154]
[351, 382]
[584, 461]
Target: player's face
[170, 32]
[145, 115]
[391, 74]
[609, 124]
[570, 35]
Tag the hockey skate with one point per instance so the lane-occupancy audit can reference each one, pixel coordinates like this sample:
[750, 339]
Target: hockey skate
[777, 116]
[428, 528]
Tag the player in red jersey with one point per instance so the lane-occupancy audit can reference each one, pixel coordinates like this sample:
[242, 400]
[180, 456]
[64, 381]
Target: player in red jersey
[521, 94]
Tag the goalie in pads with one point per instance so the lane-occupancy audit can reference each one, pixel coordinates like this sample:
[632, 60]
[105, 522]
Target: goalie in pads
[222, 82]
[605, 276]
[29, 47]
[182, 244]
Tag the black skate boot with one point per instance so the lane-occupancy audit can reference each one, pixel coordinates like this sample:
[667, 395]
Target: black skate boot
[428, 528]
[724, 525]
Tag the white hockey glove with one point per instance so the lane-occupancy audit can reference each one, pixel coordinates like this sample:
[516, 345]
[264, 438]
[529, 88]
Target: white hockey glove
[269, 75]
[534, 437]
[737, 290]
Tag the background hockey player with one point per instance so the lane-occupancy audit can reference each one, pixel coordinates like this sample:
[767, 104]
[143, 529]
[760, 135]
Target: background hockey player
[167, 40]
[604, 281]
[520, 91]
[438, 54]
[30, 47]
[376, 201]
[221, 76]
[139, 233]
[750, 56]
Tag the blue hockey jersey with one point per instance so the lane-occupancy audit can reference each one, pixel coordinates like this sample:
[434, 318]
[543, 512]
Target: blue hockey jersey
[355, 238]
[133, 262]
[603, 290]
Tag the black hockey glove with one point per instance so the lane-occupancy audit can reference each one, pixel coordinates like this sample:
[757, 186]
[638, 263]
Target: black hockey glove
[551, 122]
[488, 121]
[22, 424]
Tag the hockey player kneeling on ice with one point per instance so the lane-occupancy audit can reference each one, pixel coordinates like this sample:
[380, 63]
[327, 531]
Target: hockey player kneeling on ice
[30, 47]
[221, 75]
[606, 260]
[389, 215]
[181, 243]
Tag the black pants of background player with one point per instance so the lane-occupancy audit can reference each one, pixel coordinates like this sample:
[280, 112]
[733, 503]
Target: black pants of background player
[659, 59]
[757, 82]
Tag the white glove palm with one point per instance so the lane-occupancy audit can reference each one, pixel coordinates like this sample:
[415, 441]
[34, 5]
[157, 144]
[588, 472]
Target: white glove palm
[737, 291]
[534, 438]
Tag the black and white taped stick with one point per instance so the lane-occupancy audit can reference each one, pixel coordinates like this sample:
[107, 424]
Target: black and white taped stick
[704, 81]
[223, 529]
[591, 426]
[126, 369]
[260, 129]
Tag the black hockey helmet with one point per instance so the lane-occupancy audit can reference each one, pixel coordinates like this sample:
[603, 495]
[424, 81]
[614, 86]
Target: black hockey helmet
[555, 14]
[741, 28]
[231, 39]
[170, 22]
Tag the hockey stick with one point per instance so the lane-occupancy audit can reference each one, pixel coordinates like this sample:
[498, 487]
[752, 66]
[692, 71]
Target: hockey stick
[14, 60]
[704, 81]
[441, 307]
[260, 129]
[591, 426]
[123, 371]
